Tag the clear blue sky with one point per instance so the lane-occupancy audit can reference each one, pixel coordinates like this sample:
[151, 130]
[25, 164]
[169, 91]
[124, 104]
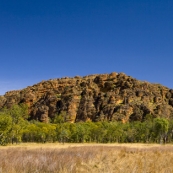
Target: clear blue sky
[45, 39]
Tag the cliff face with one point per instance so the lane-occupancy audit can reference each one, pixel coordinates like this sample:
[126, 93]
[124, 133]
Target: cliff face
[94, 98]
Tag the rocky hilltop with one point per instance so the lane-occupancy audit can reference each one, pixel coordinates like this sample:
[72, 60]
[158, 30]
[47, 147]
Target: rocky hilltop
[114, 96]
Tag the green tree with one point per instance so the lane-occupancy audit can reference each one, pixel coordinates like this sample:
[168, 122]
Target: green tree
[59, 118]
[18, 113]
[63, 133]
[5, 127]
[161, 126]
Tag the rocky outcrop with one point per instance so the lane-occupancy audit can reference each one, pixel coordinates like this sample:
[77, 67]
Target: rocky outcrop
[111, 97]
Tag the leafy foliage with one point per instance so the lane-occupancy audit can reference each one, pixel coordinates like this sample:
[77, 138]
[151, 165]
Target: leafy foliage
[15, 128]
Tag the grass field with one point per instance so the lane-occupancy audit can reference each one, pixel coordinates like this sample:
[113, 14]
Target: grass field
[86, 158]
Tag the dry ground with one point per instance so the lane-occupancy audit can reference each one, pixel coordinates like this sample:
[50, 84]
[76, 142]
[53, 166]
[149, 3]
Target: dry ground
[86, 158]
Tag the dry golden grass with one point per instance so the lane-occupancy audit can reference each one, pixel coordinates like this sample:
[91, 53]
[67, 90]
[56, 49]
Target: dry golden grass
[86, 158]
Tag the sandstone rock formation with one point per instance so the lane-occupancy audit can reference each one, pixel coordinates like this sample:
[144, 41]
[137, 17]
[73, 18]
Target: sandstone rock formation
[114, 96]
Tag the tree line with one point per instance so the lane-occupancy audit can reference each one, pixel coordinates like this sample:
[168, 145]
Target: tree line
[15, 128]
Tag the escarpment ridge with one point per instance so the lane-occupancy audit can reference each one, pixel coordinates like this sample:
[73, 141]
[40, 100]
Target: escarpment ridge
[102, 97]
